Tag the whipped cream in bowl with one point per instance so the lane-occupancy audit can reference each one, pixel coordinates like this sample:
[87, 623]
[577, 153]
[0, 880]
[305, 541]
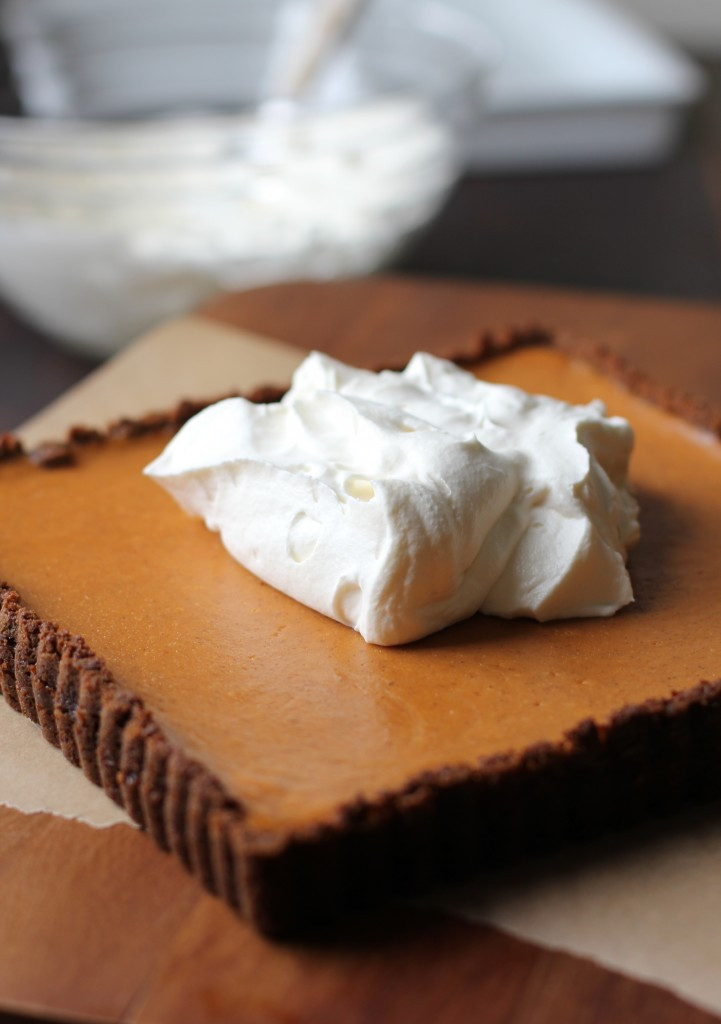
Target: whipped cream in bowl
[400, 503]
[164, 161]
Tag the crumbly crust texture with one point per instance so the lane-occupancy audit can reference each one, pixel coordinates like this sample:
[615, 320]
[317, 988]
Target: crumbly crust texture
[647, 759]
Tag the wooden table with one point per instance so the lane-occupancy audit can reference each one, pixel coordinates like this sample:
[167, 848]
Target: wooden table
[145, 944]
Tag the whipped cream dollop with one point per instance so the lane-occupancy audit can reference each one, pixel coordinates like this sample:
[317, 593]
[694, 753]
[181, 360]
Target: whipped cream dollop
[399, 503]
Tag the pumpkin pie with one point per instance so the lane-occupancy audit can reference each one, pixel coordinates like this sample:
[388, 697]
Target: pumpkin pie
[300, 772]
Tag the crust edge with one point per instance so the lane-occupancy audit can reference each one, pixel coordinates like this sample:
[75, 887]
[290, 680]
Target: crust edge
[53, 678]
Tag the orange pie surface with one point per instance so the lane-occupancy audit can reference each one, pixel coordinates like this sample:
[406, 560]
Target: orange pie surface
[295, 713]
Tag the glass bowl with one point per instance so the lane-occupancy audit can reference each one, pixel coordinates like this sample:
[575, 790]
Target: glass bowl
[179, 174]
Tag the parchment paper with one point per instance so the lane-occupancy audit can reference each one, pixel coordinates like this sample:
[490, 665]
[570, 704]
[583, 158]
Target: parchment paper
[35, 776]
[646, 904]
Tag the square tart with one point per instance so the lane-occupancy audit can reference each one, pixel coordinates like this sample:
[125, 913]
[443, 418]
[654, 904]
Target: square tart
[300, 772]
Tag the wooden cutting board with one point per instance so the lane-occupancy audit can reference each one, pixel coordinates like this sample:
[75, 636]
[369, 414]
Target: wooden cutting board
[101, 925]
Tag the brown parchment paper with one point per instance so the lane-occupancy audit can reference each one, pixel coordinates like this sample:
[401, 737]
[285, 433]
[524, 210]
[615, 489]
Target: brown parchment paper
[647, 904]
[35, 777]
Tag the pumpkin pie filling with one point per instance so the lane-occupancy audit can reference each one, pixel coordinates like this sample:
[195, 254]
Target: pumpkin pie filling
[293, 713]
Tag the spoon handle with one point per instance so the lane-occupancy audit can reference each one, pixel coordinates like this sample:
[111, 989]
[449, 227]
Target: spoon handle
[330, 21]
